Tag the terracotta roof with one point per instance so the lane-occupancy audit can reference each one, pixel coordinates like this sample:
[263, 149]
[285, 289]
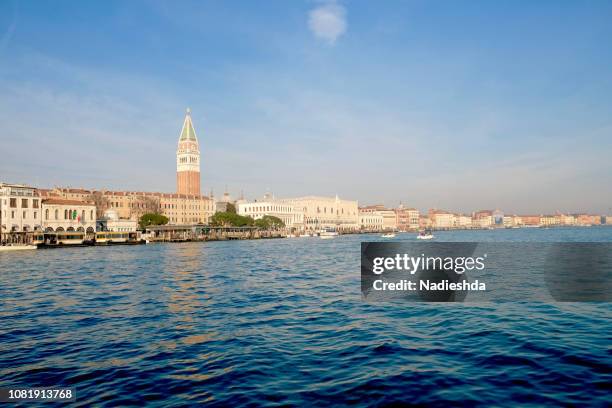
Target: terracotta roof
[65, 201]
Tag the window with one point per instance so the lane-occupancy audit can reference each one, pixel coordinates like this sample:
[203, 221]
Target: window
[47, 214]
[83, 216]
[24, 214]
[56, 214]
[65, 214]
[24, 203]
[35, 214]
[34, 203]
[12, 214]
[91, 217]
[13, 203]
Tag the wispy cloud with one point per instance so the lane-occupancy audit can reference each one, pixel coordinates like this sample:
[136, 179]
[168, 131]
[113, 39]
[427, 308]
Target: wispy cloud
[328, 21]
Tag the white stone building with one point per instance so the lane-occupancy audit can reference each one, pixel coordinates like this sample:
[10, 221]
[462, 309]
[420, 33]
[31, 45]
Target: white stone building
[327, 212]
[370, 221]
[60, 214]
[19, 209]
[292, 216]
[463, 221]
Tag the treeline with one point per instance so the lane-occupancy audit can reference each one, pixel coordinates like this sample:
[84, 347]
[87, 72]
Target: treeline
[230, 219]
[220, 219]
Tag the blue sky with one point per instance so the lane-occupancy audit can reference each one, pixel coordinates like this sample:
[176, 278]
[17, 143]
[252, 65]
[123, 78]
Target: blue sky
[448, 104]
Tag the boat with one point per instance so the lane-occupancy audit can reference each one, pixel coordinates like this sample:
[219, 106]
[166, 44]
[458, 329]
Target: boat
[426, 234]
[328, 233]
[16, 247]
[63, 238]
[388, 235]
[119, 238]
[305, 236]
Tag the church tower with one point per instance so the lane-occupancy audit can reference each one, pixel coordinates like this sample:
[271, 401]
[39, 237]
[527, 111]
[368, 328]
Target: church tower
[188, 159]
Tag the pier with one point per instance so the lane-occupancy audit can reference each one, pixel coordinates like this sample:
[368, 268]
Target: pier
[198, 232]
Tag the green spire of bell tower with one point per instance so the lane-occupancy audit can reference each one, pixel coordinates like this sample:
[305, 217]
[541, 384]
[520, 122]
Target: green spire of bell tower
[188, 132]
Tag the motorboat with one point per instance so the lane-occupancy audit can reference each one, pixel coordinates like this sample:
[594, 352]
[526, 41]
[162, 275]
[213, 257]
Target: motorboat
[328, 233]
[427, 234]
[16, 247]
[388, 235]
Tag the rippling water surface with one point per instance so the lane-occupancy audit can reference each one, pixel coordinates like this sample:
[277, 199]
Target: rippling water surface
[282, 322]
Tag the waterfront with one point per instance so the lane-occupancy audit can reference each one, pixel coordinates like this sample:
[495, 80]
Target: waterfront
[282, 322]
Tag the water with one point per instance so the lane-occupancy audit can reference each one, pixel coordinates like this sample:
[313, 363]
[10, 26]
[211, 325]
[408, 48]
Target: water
[277, 322]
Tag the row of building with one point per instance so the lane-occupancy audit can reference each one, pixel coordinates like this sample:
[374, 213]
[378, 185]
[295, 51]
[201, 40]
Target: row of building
[440, 219]
[24, 209]
[314, 213]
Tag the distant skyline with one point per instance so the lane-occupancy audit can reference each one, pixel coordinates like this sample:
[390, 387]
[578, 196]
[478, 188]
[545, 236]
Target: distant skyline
[452, 105]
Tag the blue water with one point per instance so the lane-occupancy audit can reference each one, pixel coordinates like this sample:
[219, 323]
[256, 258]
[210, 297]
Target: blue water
[281, 322]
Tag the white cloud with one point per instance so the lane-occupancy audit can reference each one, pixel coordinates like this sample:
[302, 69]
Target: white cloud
[328, 21]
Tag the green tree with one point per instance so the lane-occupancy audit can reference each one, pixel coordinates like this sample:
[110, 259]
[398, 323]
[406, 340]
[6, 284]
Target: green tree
[231, 208]
[229, 219]
[269, 222]
[152, 219]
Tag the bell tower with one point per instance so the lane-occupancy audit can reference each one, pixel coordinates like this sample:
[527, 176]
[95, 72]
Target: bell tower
[188, 159]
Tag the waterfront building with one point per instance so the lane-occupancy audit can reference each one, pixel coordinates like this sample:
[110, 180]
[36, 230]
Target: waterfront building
[292, 216]
[498, 217]
[188, 160]
[370, 221]
[441, 219]
[406, 219]
[482, 219]
[389, 217]
[111, 222]
[186, 209]
[549, 220]
[530, 220]
[567, 219]
[592, 219]
[402, 218]
[608, 219]
[20, 210]
[61, 214]
[511, 221]
[463, 221]
[327, 212]
[413, 216]
[131, 205]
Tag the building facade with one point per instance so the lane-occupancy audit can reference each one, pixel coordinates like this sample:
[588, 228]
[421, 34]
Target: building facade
[188, 160]
[463, 221]
[291, 215]
[131, 205]
[20, 209]
[441, 219]
[327, 212]
[402, 218]
[483, 219]
[61, 214]
[370, 221]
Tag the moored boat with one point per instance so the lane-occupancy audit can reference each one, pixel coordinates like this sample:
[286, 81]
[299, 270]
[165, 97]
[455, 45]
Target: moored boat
[119, 238]
[16, 247]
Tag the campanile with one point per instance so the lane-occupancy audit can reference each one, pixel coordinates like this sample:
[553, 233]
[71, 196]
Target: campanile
[188, 159]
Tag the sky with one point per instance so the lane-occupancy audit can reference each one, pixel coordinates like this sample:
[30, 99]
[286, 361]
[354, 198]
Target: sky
[458, 105]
